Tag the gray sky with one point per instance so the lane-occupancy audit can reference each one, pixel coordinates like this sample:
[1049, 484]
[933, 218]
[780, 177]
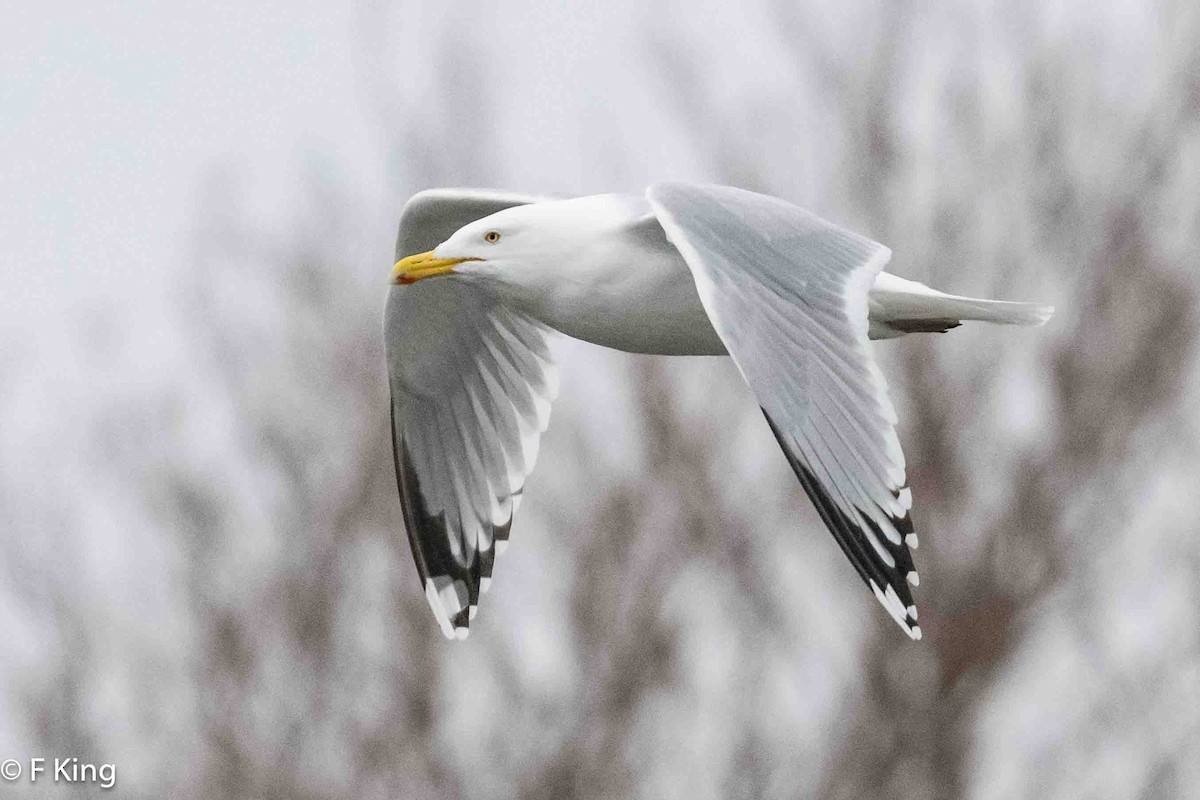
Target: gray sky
[113, 111]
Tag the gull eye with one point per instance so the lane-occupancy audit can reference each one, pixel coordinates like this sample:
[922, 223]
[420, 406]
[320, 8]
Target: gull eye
[491, 237]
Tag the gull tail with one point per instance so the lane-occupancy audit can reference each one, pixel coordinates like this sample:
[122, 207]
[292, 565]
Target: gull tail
[898, 306]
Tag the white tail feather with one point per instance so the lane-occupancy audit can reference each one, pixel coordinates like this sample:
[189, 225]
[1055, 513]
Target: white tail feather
[899, 306]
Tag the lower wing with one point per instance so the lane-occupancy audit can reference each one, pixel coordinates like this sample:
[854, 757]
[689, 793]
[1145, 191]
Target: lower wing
[471, 386]
[787, 293]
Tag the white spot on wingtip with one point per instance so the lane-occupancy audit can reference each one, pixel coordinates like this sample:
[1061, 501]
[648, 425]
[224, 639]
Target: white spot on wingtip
[915, 633]
[878, 592]
[461, 633]
[905, 498]
[501, 546]
[454, 597]
[913, 578]
[473, 610]
[485, 584]
[912, 612]
[439, 613]
[911, 540]
[891, 601]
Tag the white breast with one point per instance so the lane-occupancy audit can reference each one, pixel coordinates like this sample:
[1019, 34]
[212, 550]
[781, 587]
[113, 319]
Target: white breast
[628, 289]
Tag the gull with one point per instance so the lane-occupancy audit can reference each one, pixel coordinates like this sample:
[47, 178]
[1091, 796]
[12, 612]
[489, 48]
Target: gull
[485, 277]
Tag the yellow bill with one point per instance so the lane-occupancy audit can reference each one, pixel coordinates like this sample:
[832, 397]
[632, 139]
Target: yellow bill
[423, 265]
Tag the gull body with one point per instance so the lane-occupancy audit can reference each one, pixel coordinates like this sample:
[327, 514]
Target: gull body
[682, 270]
[597, 268]
[601, 268]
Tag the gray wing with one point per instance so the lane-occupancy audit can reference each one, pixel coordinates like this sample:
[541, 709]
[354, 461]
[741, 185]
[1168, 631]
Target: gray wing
[471, 386]
[787, 293]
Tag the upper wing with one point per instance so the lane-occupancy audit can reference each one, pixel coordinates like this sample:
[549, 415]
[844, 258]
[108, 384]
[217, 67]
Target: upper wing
[471, 385]
[787, 293]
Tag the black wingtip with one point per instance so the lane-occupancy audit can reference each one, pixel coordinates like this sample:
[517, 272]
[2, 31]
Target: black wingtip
[889, 584]
[429, 539]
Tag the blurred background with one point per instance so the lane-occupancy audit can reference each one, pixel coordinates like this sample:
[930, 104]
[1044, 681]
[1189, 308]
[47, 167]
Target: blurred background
[203, 573]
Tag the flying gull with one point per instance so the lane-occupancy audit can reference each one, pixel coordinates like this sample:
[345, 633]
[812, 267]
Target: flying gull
[484, 277]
